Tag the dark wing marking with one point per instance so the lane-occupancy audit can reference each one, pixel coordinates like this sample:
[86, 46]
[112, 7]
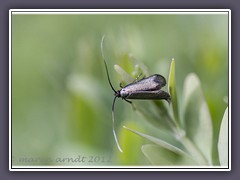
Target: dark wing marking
[156, 94]
[154, 82]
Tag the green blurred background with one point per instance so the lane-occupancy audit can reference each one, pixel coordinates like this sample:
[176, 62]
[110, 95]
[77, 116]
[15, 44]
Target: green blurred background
[61, 100]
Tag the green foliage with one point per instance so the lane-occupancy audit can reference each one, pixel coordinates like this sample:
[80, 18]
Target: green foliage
[195, 133]
[61, 100]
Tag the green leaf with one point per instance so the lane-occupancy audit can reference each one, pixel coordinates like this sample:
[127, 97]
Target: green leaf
[125, 77]
[138, 65]
[131, 145]
[154, 113]
[223, 140]
[130, 69]
[158, 141]
[197, 119]
[161, 156]
[172, 90]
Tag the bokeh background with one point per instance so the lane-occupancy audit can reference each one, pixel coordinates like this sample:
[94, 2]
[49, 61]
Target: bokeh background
[61, 100]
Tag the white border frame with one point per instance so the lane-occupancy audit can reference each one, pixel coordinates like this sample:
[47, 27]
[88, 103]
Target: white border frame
[117, 11]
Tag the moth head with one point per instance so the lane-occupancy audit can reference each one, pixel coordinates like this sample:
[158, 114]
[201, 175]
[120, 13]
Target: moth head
[118, 93]
[123, 93]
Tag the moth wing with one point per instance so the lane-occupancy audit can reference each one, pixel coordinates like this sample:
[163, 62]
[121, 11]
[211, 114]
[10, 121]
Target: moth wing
[150, 95]
[154, 82]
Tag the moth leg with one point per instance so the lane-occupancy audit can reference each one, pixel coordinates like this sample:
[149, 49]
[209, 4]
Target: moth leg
[120, 84]
[130, 102]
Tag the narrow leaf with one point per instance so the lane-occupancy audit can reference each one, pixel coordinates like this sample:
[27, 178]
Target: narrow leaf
[155, 114]
[223, 140]
[172, 90]
[125, 77]
[160, 156]
[139, 65]
[158, 141]
[197, 119]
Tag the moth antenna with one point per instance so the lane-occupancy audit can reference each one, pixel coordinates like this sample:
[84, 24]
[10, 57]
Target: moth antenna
[113, 126]
[106, 65]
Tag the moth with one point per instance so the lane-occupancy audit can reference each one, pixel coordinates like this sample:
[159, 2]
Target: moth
[147, 88]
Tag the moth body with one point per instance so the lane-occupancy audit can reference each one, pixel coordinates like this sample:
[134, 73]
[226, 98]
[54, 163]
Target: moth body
[146, 88]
